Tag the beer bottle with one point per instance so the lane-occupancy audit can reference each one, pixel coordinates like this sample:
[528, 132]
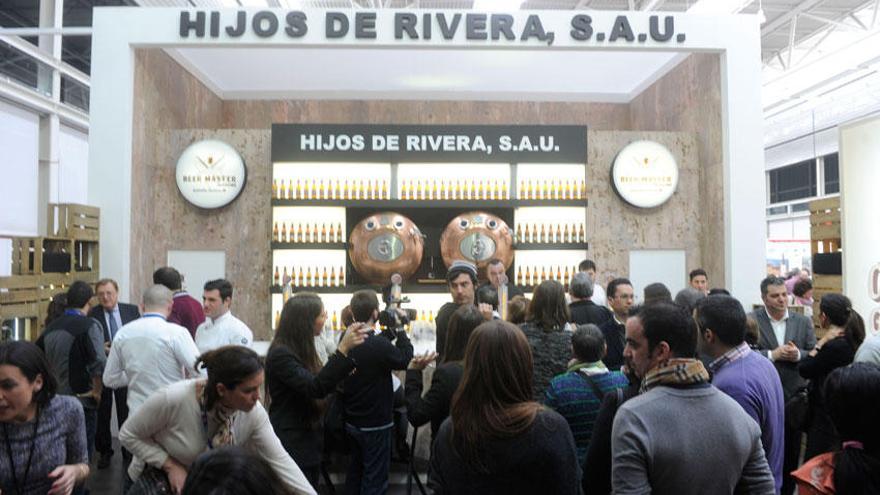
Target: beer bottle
[334, 322]
[276, 279]
[518, 233]
[559, 239]
[277, 319]
[566, 275]
[543, 274]
[519, 279]
[528, 278]
[274, 188]
[288, 193]
[385, 190]
[339, 233]
[283, 232]
[324, 280]
[527, 235]
[543, 237]
[582, 236]
[341, 279]
[275, 233]
[333, 280]
[566, 235]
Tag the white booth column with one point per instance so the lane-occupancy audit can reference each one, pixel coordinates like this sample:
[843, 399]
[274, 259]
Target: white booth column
[860, 220]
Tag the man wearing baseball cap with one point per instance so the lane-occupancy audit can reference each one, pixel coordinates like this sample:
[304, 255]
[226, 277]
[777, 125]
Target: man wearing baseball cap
[462, 279]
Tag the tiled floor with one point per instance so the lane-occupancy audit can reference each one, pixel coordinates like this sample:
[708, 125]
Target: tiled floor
[109, 481]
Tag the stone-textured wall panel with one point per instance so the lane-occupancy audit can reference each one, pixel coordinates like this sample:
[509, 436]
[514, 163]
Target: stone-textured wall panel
[688, 99]
[615, 227]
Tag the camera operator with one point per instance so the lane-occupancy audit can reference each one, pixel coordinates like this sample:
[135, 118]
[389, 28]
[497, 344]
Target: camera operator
[368, 397]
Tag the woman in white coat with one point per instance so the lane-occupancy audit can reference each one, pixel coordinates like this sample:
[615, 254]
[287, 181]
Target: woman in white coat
[183, 420]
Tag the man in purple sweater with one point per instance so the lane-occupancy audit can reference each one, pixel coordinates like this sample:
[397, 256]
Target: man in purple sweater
[187, 311]
[747, 377]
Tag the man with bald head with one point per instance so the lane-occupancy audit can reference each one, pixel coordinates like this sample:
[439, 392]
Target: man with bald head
[150, 353]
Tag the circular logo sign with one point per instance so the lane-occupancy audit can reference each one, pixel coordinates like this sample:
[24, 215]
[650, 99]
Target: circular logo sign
[874, 282]
[210, 174]
[645, 174]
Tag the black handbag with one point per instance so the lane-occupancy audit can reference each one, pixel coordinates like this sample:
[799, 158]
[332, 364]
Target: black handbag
[152, 481]
[797, 410]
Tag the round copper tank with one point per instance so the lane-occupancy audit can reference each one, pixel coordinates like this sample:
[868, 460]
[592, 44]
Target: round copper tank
[383, 244]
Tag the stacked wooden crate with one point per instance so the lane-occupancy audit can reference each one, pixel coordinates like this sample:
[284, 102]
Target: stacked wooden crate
[826, 249]
[25, 295]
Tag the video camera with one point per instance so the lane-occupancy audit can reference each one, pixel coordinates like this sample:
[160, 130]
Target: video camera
[393, 317]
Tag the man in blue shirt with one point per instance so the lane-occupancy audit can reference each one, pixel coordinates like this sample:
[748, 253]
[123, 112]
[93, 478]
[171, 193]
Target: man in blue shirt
[744, 375]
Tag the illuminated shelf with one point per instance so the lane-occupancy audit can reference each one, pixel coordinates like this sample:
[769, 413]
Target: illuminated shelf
[309, 245]
[539, 246]
[406, 289]
[430, 203]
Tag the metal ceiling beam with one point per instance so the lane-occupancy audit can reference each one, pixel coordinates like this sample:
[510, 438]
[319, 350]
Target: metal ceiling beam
[791, 34]
[835, 23]
[876, 10]
[784, 19]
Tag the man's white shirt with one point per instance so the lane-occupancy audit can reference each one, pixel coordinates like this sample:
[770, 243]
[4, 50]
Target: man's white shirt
[148, 354]
[598, 296]
[225, 330]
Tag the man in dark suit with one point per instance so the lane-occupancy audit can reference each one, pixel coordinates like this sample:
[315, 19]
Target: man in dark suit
[784, 338]
[112, 314]
[583, 310]
[620, 298]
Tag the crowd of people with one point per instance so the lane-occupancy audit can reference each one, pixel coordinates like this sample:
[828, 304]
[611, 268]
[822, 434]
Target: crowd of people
[576, 390]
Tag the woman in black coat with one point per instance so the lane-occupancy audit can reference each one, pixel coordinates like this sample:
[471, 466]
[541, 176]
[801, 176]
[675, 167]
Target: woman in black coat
[844, 333]
[434, 406]
[295, 380]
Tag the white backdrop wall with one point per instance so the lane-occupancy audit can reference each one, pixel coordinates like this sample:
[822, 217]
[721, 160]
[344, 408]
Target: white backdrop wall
[19, 142]
[19, 149]
[73, 169]
[20, 174]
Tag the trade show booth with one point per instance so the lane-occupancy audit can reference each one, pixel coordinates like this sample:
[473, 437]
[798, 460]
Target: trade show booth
[324, 150]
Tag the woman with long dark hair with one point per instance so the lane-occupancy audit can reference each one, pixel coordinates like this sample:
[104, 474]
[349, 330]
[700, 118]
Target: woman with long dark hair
[497, 439]
[434, 406]
[851, 393]
[178, 423]
[546, 329]
[844, 333]
[44, 435]
[296, 382]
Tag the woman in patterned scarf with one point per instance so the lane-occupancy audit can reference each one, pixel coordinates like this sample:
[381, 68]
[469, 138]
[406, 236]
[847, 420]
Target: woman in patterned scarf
[179, 422]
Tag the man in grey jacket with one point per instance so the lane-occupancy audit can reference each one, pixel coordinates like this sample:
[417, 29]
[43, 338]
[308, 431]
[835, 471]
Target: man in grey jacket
[784, 338]
[681, 435]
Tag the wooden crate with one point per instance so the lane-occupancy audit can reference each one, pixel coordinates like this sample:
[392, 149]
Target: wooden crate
[80, 222]
[26, 298]
[825, 225]
[86, 255]
[27, 253]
